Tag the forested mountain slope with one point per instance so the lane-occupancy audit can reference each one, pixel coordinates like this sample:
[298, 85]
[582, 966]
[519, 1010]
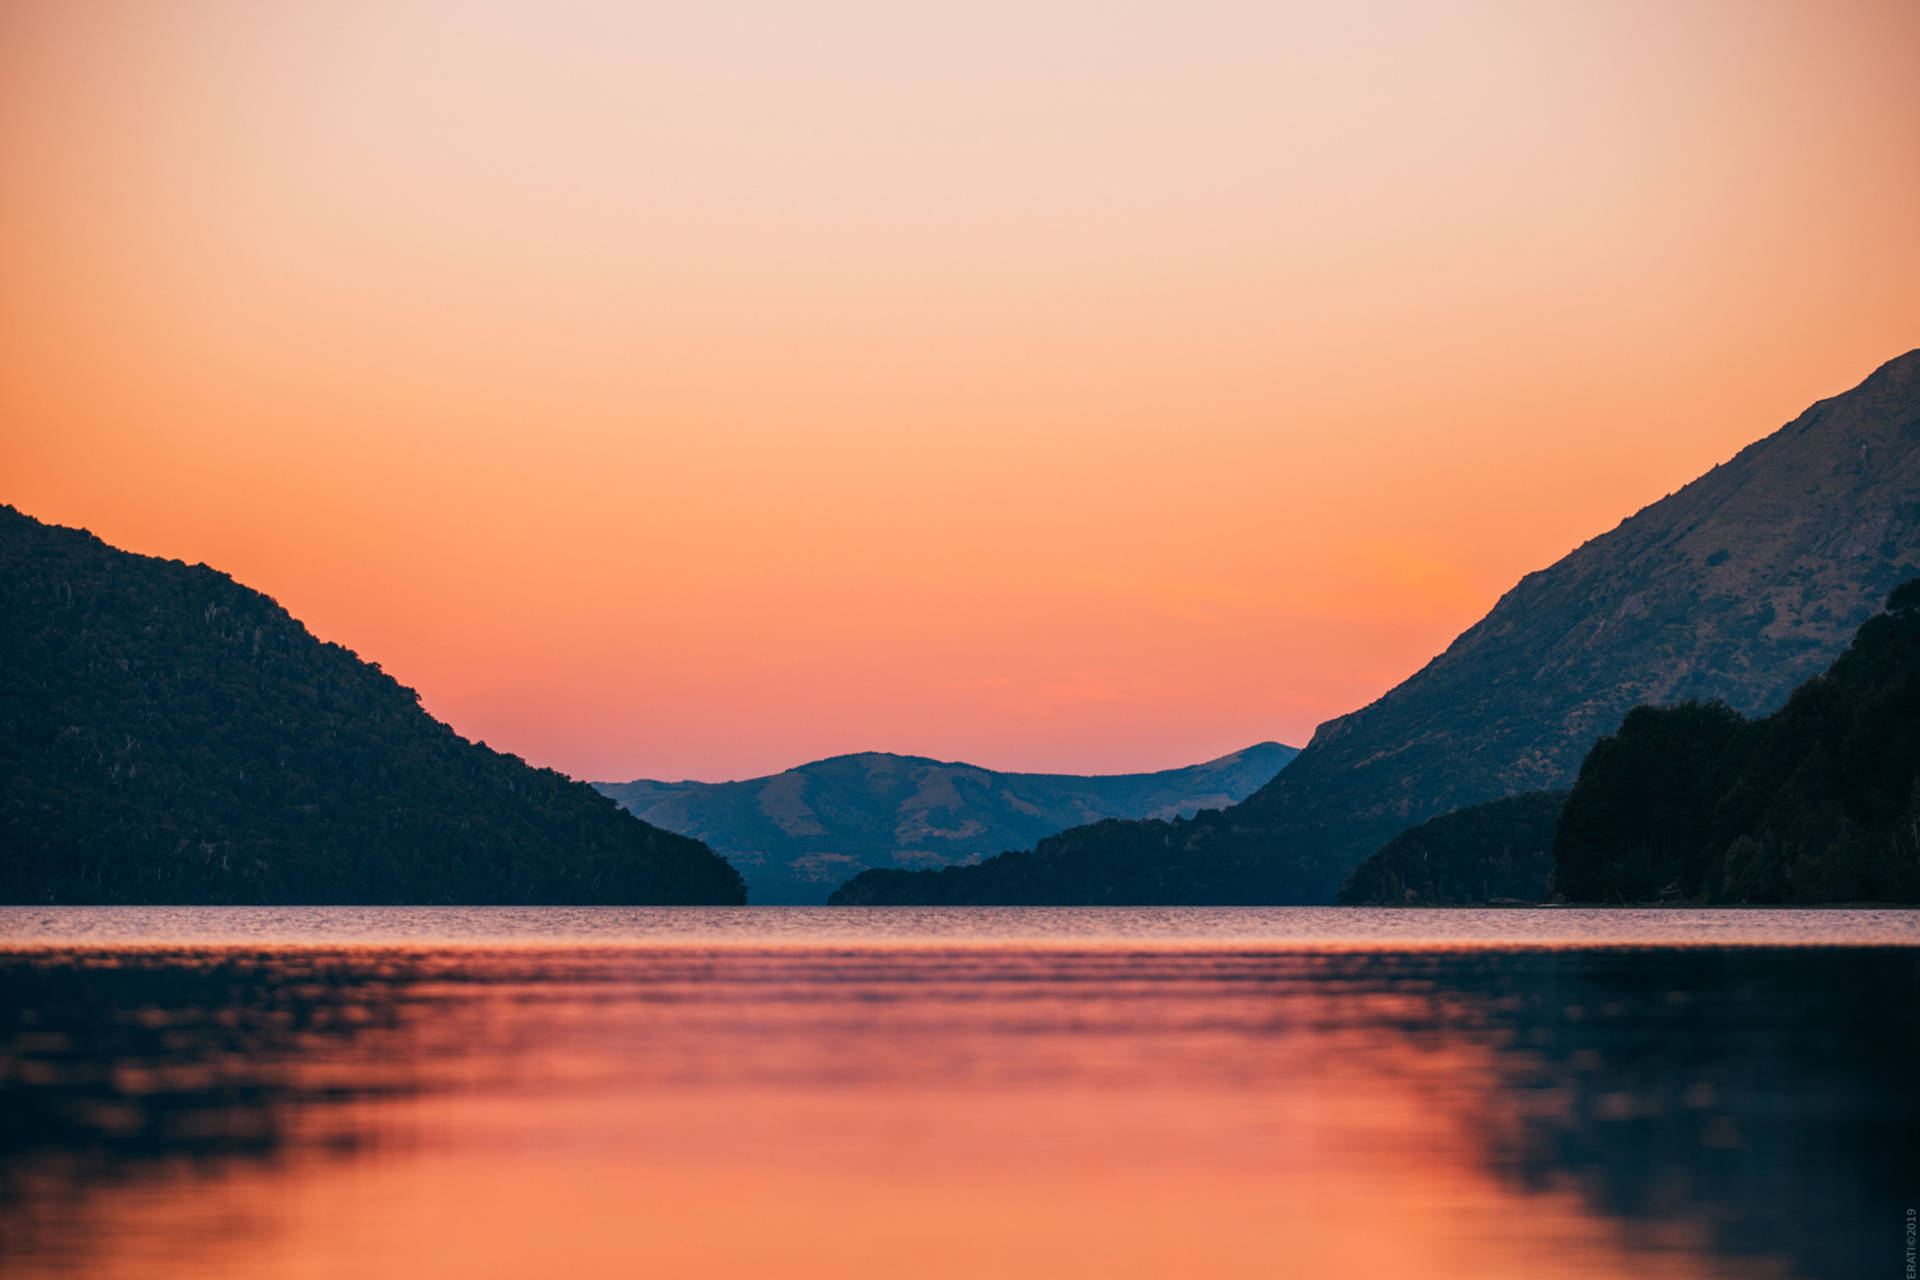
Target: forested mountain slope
[170, 736]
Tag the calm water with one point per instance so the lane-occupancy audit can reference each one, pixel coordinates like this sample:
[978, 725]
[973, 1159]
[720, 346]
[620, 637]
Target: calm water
[802, 1092]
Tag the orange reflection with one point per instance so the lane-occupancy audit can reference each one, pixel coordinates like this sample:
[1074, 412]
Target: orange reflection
[860, 1111]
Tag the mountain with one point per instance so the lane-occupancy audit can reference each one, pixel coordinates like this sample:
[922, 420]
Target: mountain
[1483, 853]
[1818, 802]
[1738, 587]
[170, 736]
[797, 834]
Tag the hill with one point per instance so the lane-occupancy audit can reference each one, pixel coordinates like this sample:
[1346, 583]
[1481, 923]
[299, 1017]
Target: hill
[1500, 849]
[1737, 587]
[1818, 802]
[170, 736]
[796, 834]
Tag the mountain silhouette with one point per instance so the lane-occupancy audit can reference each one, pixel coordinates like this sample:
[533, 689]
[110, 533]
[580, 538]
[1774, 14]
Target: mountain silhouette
[170, 736]
[1736, 588]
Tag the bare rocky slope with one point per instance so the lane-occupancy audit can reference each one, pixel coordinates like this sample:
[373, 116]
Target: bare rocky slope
[1738, 587]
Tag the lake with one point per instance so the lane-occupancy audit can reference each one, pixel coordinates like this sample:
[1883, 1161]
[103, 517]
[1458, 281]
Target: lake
[799, 1092]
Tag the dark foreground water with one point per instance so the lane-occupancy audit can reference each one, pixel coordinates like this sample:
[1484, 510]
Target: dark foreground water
[932, 1093]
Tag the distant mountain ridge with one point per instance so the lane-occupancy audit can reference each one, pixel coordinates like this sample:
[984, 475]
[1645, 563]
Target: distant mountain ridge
[170, 736]
[797, 834]
[1737, 587]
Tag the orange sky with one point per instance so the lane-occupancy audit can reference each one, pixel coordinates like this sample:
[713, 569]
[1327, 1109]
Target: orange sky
[692, 390]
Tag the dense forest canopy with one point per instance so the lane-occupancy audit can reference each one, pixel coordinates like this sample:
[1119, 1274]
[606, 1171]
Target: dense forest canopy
[1128, 866]
[170, 736]
[1485, 852]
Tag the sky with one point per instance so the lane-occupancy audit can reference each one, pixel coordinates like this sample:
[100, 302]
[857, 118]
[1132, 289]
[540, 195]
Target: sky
[689, 391]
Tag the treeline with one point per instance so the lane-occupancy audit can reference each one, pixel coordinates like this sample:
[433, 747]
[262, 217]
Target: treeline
[1485, 852]
[1110, 863]
[1818, 802]
[170, 736]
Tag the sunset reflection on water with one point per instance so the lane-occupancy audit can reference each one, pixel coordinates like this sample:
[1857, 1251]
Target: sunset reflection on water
[1119, 1109]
